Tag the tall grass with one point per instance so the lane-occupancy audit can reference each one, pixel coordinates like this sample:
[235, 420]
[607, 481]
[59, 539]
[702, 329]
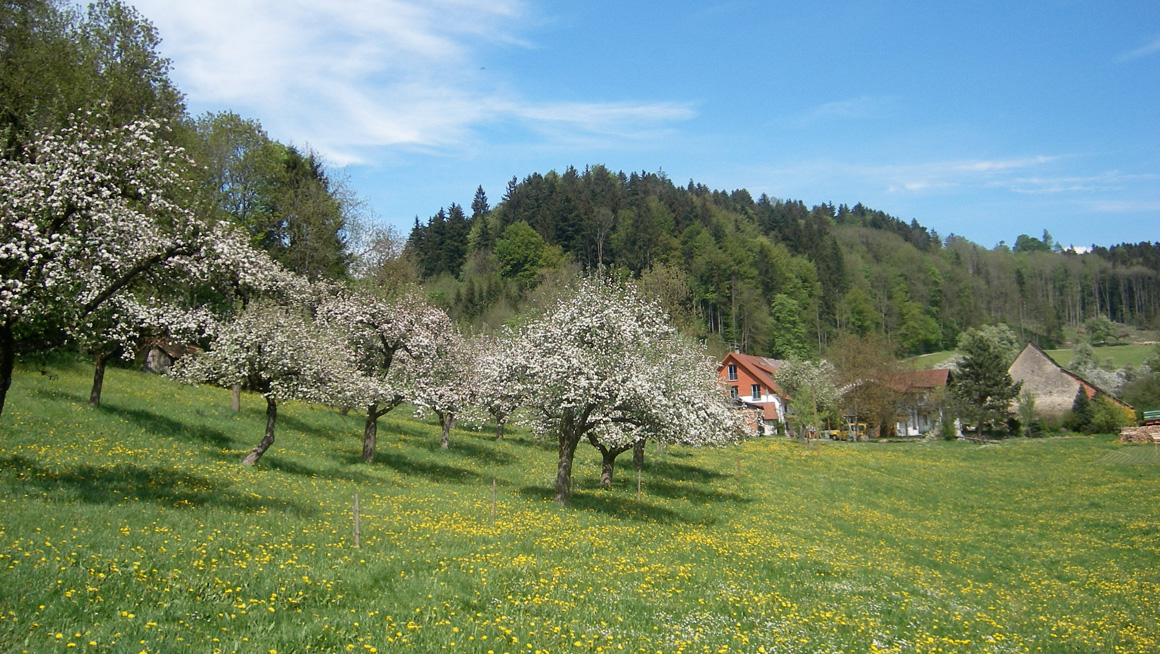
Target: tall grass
[133, 528]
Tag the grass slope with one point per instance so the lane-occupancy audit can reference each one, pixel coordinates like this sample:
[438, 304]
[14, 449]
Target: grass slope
[1116, 356]
[132, 528]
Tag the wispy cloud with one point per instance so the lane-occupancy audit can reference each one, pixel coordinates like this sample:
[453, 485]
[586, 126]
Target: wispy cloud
[1125, 206]
[920, 177]
[351, 76]
[1108, 181]
[1150, 49]
[910, 179]
[854, 108]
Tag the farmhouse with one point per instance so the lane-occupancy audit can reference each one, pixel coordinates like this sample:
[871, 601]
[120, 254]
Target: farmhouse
[1053, 387]
[750, 382]
[921, 407]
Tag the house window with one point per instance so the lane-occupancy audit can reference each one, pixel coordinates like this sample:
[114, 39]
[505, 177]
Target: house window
[732, 372]
[733, 392]
[756, 391]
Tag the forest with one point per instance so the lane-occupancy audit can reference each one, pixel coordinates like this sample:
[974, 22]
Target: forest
[771, 277]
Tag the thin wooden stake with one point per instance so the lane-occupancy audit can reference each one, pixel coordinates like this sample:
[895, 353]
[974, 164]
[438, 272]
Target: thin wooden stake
[638, 484]
[738, 469]
[357, 528]
[493, 499]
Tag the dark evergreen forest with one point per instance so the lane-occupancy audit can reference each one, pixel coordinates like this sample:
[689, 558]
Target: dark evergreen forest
[772, 277]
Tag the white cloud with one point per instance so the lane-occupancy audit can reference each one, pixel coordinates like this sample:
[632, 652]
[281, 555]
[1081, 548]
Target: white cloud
[1150, 49]
[1125, 206]
[351, 76]
[921, 177]
[854, 108]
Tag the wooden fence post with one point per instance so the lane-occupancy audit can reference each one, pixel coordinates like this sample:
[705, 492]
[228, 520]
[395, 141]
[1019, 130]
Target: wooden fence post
[357, 528]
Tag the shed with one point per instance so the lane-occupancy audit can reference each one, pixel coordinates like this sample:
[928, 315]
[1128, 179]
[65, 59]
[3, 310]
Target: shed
[161, 356]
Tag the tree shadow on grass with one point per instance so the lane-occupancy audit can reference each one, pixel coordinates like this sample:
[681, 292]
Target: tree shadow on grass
[128, 482]
[168, 427]
[291, 422]
[55, 394]
[544, 444]
[619, 506]
[681, 471]
[466, 448]
[437, 472]
[700, 493]
[290, 467]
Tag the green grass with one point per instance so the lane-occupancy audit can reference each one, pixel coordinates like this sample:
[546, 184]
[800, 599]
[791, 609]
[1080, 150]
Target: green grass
[930, 361]
[1131, 354]
[133, 528]
[1119, 355]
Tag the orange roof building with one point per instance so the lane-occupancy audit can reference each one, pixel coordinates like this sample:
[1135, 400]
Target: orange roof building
[750, 381]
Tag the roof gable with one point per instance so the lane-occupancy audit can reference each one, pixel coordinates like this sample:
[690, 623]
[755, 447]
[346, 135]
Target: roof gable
[1033, 351]
[760, 368]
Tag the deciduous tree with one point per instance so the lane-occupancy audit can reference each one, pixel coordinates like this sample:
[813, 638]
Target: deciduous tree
[84, 213]
[605, 361]
[279, 352]
[391, 342]
[814, 393]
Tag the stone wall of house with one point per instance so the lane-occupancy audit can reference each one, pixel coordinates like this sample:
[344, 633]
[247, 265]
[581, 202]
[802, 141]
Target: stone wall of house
[1053, 389]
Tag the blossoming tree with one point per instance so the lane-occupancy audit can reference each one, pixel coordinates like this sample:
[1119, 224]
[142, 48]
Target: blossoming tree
[493, 368]
[605, 362]
[278, 352]
[390, 342]
[442, 383]
[84, 212]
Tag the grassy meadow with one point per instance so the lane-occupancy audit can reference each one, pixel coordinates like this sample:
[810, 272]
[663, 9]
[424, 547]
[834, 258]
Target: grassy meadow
[1114, 356]
[133, 528]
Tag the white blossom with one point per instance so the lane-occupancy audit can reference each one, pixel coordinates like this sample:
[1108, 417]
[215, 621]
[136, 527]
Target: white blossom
[606, 361]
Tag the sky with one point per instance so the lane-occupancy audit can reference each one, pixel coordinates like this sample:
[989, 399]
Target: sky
[986, 119]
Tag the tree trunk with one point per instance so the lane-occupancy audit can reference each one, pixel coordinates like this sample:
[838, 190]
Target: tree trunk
[568, 443]
[607, 464]
[638, 454]
[499, 423]
[268, 439]
[447, 421]
[370, 432]
[100, 358]
[236, 398]
[608, 459]
[7, 361]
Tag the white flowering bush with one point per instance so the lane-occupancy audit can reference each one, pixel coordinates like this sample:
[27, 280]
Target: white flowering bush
[605, 365]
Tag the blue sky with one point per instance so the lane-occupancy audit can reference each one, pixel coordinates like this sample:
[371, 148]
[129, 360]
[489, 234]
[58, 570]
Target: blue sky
[983, 119]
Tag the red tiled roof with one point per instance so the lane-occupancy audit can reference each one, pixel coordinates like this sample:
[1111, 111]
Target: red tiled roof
[768, 409]
[761, 368]
[924, 379]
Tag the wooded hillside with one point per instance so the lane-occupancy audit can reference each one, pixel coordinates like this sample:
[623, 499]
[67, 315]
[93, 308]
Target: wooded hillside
[773, 277]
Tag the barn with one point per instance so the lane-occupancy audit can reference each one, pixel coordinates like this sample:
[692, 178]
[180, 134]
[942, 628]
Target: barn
[1053, 386]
